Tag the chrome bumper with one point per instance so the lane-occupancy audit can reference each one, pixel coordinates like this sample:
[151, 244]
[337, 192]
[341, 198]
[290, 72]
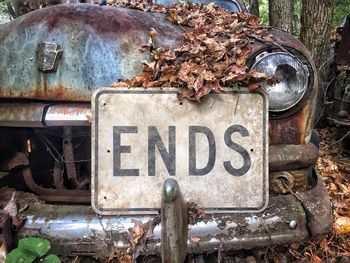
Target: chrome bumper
[77, 230]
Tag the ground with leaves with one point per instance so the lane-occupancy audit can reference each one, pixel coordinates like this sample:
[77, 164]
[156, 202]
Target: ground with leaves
[334, 166]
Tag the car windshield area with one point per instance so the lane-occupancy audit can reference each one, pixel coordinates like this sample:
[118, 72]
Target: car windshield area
[229, 5]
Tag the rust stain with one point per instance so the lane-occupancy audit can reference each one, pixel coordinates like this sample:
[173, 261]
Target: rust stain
[70, 109]
[289, 130]
[101, 19]
[282, 38]
[58, 93]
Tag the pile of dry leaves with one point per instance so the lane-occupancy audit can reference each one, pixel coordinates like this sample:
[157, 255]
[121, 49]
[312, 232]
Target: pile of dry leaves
[214, 53]
[334, 166]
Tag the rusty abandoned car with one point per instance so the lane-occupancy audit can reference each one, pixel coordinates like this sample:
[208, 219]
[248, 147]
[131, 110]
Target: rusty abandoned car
[147, 160]
[337, 94]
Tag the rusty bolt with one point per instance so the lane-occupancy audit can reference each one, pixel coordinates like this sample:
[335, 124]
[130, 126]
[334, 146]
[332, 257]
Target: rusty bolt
[281, 182]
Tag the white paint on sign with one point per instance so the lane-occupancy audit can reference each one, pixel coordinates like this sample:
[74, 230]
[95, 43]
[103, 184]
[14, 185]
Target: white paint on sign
[216, 150]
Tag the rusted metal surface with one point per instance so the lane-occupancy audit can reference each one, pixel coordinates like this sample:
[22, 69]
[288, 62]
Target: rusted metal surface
[21, 115]
[318, 204]
[77, 229]
[343, 55]
[104, 46]
[281, 38]
[289, 130]
[338, 110]
[67, 115]
[53, 195]
[294, 126]
[281, 182]
[290, 157]
[58, 175]
[174, 221]
[100, 45]
[18, 160]
[68, 153]
[300, 179]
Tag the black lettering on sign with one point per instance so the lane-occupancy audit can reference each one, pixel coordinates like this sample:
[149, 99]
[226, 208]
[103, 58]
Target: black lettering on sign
[234, 146]
[119, 149]
[169, 157]
[193, 170]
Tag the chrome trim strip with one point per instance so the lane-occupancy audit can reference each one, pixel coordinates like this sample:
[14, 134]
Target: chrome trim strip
[68, 115]
[22, 115]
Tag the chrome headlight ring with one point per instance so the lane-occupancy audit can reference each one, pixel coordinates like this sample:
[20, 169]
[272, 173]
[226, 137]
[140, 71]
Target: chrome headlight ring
[292, 79]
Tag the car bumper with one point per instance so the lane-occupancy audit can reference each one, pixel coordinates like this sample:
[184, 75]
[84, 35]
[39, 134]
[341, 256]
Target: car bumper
[77, 230]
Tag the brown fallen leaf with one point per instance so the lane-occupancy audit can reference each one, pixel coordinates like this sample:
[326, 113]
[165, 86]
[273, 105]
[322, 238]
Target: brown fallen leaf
[140, 234]
[89, 119]
[195, 214]
[214, 53]
[11, 209]
[122, 257]
[137, 231]
[316, 259]
[342, 225]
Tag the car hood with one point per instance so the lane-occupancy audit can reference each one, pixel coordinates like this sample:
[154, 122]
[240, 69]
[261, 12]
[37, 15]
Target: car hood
[99, 46]
[65, 52]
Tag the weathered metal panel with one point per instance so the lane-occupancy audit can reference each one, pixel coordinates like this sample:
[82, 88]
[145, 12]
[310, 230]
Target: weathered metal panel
[290, 130]
[139, 190]
[288, 157]
[100, 45]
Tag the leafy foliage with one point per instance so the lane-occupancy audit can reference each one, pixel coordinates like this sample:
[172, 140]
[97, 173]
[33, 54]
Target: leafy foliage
[3, 8]
[341, 11]
[213, 54]
[51, 259]
[263, 10]
[31, 248]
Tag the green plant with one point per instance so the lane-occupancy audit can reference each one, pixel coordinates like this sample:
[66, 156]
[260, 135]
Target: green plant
[32, 249]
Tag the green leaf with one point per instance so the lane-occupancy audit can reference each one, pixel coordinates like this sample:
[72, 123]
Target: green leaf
[37, 246]
[19, 256]
[51, 259]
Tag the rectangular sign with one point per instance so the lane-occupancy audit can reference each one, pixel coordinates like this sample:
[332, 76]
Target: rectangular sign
[215, 149]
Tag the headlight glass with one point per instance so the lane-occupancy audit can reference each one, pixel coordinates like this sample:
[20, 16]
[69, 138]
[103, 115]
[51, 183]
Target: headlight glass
[291, 75]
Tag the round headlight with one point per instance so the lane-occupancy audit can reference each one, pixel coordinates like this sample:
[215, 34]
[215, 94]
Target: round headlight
[291, 79]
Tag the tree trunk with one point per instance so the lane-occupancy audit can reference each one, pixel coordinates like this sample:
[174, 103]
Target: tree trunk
[280, 14]
[254, 7]
[315, 32]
